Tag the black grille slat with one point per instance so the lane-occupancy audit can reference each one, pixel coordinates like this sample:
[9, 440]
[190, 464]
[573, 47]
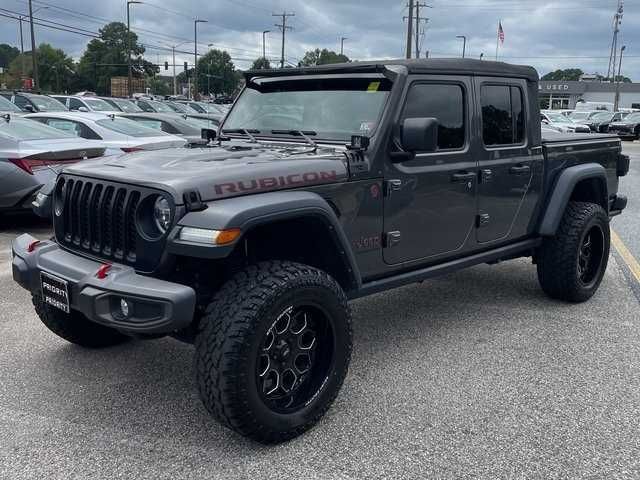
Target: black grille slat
[99, 218]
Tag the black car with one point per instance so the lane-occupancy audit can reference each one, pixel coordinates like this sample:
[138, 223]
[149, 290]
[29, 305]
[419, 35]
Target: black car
[628, 128]
[600, 121]
[33, 103]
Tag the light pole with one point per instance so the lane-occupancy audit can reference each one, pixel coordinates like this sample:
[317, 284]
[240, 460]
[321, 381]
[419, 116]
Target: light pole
[342, 39]
[129, 76]
[173, 52]
[195, 53]
[481, 55]
[264, 48]
[464, 44]
[617, 101]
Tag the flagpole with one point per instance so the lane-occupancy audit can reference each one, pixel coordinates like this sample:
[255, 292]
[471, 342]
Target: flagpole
[498, 39]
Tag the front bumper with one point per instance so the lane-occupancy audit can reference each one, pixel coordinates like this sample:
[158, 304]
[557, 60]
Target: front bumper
[158, 306]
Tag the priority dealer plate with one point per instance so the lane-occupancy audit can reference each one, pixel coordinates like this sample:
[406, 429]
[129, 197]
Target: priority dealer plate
[55, 291]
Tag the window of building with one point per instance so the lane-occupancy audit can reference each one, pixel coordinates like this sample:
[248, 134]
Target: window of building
[502, 115]
[444, 102]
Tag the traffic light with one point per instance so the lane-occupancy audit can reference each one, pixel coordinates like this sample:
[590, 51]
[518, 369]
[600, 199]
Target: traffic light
[186, 66]
[166, 65]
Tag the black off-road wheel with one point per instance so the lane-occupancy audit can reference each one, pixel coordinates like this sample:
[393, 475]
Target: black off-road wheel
[571, 265]
[273, 350]
[74, 327]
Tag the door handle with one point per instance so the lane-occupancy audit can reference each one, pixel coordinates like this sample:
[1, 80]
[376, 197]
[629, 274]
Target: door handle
[463, 177]
[520, 170]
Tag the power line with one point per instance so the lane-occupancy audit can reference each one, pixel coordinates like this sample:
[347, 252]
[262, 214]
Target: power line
[283, 26]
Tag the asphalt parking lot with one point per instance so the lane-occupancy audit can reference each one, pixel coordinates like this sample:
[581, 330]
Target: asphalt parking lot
[473, 375]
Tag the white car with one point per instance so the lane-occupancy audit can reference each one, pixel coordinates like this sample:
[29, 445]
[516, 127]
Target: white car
[563, 123]
[113, 131]
[31, 155]
[85, 104]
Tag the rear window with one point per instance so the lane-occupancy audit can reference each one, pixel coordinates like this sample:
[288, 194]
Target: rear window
[98, 105]
[128, 127]
[8, 106]
[29, 130]
[159, 106]
[126, 105]
[47, 104]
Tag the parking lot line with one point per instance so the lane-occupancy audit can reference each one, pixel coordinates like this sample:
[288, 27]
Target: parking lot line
[626, 255]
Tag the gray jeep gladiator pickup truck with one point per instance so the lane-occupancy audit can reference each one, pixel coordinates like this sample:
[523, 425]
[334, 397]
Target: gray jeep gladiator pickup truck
[324, 184]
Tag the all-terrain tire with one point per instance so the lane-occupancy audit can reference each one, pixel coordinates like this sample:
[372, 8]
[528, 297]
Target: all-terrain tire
[560, 272]
[231, 339]
[75, 327]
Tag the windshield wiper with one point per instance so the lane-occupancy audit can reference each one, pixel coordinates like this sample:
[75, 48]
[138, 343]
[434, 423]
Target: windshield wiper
[248, 132]
[299, 133]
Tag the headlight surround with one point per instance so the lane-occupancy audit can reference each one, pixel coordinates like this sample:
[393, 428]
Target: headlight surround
[162, 214]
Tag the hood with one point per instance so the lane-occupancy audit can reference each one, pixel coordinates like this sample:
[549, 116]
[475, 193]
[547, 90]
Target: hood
[623, 124]
[232, 169]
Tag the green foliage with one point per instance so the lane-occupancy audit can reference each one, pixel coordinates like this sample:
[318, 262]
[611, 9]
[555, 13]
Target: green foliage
[322, 57]
[569, 74]
[160, 86]
[55, 69]
[7, 54]
[222, 71]
[260, 64]
[106, 57]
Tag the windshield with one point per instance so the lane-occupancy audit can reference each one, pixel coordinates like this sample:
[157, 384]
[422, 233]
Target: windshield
[602, 117]
[634, 117]
[98, 105]
[581, 115]
[126, 105]
[47, 104]
[209, 108]
[331, 108]
[29, 130]
[7, 106]
[159, 106]
[128, 127]
[558, 118]
[181, 107]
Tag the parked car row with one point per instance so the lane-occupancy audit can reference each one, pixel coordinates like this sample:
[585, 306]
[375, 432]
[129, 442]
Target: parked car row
[625, 123]
[40, 134]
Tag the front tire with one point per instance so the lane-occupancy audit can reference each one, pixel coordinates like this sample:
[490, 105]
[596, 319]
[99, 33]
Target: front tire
[74, 327]
[273, 350]
[571, 264]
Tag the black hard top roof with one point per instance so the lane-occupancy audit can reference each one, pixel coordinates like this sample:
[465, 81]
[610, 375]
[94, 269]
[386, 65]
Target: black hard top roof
[446, 66]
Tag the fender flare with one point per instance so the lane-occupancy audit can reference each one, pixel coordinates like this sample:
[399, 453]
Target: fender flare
[250, 211]
[562, 190]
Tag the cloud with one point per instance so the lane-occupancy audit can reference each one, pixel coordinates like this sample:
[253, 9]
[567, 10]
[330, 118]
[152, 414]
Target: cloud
[547, 34]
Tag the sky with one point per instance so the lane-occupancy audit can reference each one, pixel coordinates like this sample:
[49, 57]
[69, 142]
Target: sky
[547, 34]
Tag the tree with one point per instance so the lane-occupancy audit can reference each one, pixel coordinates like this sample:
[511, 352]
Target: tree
[159, 85]
[56, 69]
[260, 64]
[322, 57]
[106, 57]
[569, 74]
[216, 73]
[7, 54]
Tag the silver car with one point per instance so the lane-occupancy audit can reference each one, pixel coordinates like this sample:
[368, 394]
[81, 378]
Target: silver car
[31, 155]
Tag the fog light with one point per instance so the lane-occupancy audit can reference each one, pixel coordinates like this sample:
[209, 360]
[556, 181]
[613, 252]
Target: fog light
[125, 308]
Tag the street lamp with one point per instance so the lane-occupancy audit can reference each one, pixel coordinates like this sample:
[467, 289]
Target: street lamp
[617, 101]
[129, 76]
[195, 50]
[264, 49]
[173, 51]
[464, 44]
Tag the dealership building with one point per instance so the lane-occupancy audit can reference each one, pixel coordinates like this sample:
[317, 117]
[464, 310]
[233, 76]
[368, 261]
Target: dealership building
[565, 95]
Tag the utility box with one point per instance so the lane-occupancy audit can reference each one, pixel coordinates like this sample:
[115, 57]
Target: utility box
[119, 86]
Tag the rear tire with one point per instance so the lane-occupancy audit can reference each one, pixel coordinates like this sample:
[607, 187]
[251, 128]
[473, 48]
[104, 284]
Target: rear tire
[76, 328]
[273, 350]
[571, 264]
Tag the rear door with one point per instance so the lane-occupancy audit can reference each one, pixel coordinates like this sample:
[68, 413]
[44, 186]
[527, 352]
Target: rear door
[506, 160]
[430, 201]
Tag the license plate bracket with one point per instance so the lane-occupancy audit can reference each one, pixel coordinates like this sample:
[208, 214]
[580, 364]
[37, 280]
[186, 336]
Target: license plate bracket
[55, 291]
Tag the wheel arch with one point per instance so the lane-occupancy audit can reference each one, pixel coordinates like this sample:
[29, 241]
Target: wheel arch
[294, 225]
[584, 183]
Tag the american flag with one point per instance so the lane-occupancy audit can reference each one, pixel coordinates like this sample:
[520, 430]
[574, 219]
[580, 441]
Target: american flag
[500, 32]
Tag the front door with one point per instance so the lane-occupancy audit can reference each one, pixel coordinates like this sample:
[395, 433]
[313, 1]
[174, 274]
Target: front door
[430, 201]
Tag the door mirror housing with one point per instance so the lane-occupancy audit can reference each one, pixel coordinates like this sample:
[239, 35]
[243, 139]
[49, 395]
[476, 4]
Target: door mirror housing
[29, 108]
[83, 109]
[419, 134]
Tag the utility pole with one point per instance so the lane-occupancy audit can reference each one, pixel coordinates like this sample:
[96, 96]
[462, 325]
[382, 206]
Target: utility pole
[264, 42]
[342, 39]
[284, 28]
[617, 21]
[409, 28]
[464, 44]
[129, 76]
[618, 80]
[196, 85]
[34, 56]
[418, 5]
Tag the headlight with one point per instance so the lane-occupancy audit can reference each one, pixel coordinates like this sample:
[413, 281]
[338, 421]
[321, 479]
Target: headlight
[162, 214]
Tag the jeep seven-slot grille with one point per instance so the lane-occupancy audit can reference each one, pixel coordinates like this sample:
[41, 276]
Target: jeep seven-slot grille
[99, 219]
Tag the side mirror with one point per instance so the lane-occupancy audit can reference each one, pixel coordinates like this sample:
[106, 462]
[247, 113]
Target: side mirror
[208, 134]
[419, 134]
[29, 108]
[545, 121]
[83, 109]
